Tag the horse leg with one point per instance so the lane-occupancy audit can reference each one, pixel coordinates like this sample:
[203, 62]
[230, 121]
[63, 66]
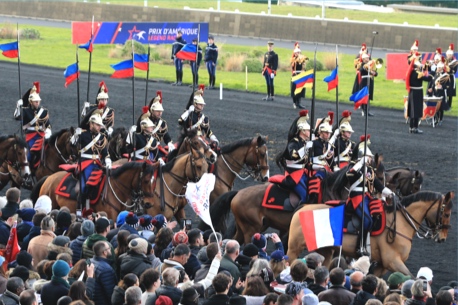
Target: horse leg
[327, 252]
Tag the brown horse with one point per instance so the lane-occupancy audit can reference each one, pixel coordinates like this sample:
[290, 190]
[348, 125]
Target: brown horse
[404, 181]
[58, 150]
[13, 160]
[132, 183]
[391, 248]
[117, 145]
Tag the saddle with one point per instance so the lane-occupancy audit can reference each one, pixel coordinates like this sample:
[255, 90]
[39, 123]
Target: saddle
[69, 186]
[278, 196]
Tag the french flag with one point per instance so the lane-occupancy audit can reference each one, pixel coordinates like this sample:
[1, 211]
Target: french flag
[332, 80]
[124, 69]
[361, 97]
[141, 61]
[303, 80]
[87, 46]
[10, 50]
[430, 109]
[71, 73]
[323, 228]
[188, 52]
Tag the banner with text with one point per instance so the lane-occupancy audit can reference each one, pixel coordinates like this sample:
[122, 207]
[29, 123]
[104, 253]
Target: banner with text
[143, 32]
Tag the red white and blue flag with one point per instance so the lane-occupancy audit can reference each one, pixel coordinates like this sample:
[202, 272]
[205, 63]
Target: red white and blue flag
[71, 73]
[323, 228]
[87, 46]
[332, 80]
[10, 50]
[430, 109]
[12, 246]
[188, 52]
[141, 61]
[124, 69]
[361, 97]
[303, 80]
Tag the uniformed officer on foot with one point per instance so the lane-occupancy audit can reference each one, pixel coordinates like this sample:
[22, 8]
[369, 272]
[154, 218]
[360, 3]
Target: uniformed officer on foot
[270, 70]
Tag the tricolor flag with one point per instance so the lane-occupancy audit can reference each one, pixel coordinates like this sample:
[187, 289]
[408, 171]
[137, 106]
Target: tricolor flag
[10, 50]
[188, 52]
[360, 98]
[332, 80]
[71, 73]
[87, 46]
[303, 80]
[124, 69]
[12, 247]
[322, 228]
[141, 61]
[430, 109]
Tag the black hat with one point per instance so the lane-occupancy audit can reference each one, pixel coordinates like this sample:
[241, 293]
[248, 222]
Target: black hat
[21, 272]
[23, 258]
[250, 250]
[211, 37]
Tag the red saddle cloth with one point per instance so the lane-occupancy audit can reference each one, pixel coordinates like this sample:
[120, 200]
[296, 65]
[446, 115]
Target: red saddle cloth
[274, 197]
[377, 211]
[67, 186]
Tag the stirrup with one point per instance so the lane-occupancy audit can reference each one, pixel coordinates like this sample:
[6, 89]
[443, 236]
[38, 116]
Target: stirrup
[362, 251]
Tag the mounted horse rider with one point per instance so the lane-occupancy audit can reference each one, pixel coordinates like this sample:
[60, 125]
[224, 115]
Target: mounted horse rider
[344, 145]
[35, 122]
[145, 145]
[93, 149]
[323, 146]
[100, 107]
[160, 132]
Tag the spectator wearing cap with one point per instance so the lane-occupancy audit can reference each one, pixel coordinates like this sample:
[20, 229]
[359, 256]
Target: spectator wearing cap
[60, 244]
[13, 195]
[179, 258]
[362, 264]
[76, 245]
[295, 290]
[102, 227]
[43, 204]
[321, 279]
[14, 288]
[104, 274]
[425, 273]
[131, 223]
[228, 261]
[419, 295]
[26, 225]
[313, 260]
[395, 281]
[63, 222]
[58, 287]
[221, 283]
[20, 272]
[38, 246]
[135, 261]
[120, 220]
[34, 231]
[178, 238]
[406, 292]
[337, 294]
[196, 241]
[170, 279]
[310, 299]
[146, 227]
[356, 279]
[246, 259]
[260, 241]
[369, 285]
[278, 262]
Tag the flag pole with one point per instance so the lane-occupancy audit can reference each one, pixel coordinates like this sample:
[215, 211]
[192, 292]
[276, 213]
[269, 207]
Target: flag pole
[90, 63]
[78, 85]
[337, 107]
[133, 85]
[147, 75]
[312, 114]
[19, 74]
[197, 56]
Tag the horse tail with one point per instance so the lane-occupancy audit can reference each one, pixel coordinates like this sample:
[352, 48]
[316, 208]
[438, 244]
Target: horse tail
[35, 193]
[219, 211]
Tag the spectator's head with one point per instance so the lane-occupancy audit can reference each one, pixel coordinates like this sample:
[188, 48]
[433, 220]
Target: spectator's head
[150, 279]
[64, 219]
[78, 291]
[138, 245]
[356, 279]
[26, 214]
[26, 204]
[254, 286]
[373, 302]
[23, 258]
[314, 260]
[232, 249]
[102, 226]
[444, 297]
[22, 273]
[48, 269]
[251, 250]
[285, 299]
[295, 290]
[425, 273]
[87, 228]
[132, 220]
[181, 254]
[270, 299]
[257, 266]
[27, 297]
[212, 250]
[310, 299]
[145, 223]
[61, 241]
[405, 290]
[277, 262]
[321, 275]
[164, 238]
[206, 236]
[78, 269]
[74, 230]
[60, 269]
[396, 279]
[216, 238]
[129, 280]
[393, 297]
[121, 219]
[299, 270]
[382, 289]
[170, 277]
[221, 283]
[43, 204]
[47, 224]
[417, 290]
[369, 284]
[338, 262]
[15, 285]
[260, 241]
[159, 221]
[195, 238]
[13, 194]
[189, 297]
[179, 238]
[66, 300]
[37, 218]
[102, 249]
[362, 264]
[337, 277]
[163, 300]
[133, 296]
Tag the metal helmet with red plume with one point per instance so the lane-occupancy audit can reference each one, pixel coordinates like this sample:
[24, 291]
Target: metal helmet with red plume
[156, 103]
[34, 92]
[102, 94]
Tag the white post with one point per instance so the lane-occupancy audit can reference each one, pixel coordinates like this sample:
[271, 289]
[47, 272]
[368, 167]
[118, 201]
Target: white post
[323, 12]
[246, 78]
[145, 3]
[269, 3]
[219, 5]
[221, 91]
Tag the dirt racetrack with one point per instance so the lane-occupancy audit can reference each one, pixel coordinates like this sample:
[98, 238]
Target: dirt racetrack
[242, 114]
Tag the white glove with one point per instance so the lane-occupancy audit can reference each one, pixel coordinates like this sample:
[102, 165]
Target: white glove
[336, 169]
[108, 163]
[19, 103]
[336, 132]
[171, 146]
[214, 139]
[317, 167]
[185, 115]
[360, 163]
[78, 131]
[313, 137]
[133, 129]
[191, 108]
[110, 130]
[48, 133]
[161, 162]
[309, 145]
[272, 75]
[386, 192]
[87, 105]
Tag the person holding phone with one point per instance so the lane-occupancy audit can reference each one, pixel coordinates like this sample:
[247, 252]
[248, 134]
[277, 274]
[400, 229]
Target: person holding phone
[421, 292]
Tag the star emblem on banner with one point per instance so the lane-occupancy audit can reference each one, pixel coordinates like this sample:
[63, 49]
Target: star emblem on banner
[132, 32]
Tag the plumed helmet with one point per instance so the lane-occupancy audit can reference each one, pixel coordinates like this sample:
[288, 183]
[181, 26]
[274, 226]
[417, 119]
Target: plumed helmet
[156, 103]
[363, 48]
[96, 119]
[346, 127]
[365, 55]
[441, 64]
[415, 45]
[145, 123]
[103, 91]
[346, 117]
[302, 123]
[451, 49]
[325, 127]
[437, 57]
[34, 93]
[361, 146]
[198, 99]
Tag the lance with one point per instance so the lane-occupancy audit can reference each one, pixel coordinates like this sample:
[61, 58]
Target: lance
[78, 86]
[133, 85]
[196, 68]
[90, 63]
[337, 104]
[19, 76]
[312, 114]
[147, 75]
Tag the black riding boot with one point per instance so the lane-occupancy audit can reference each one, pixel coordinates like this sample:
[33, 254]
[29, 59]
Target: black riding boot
[180, 78]
[294, 102]
[213, 81]
[450, 98]
[177, 76]
[298, 103]
[210, 78]
[197, 80]
[361, 248]
[272, 95]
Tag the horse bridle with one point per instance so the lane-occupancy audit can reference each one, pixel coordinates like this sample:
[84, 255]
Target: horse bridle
[61, 155]
[16, 165]
[251, 171]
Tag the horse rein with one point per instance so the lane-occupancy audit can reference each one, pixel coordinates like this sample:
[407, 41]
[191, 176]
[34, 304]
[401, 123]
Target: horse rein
[61, 155]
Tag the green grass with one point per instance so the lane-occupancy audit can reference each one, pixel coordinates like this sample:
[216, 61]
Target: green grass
[397, 17]
[56, 41]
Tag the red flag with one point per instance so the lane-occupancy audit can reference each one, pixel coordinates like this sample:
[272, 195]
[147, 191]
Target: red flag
[12, 247]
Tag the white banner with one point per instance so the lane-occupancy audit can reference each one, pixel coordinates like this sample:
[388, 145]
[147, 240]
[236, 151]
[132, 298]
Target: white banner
[198, 196]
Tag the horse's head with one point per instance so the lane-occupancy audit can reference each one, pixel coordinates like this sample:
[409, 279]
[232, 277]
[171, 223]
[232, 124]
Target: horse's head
[197, 142]
[416, 181]
[258, 159]
[198, 164]
[379, 168]
[17, 155]
[404, 181]
[117, 143]
[444, 212]
[64, 144]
